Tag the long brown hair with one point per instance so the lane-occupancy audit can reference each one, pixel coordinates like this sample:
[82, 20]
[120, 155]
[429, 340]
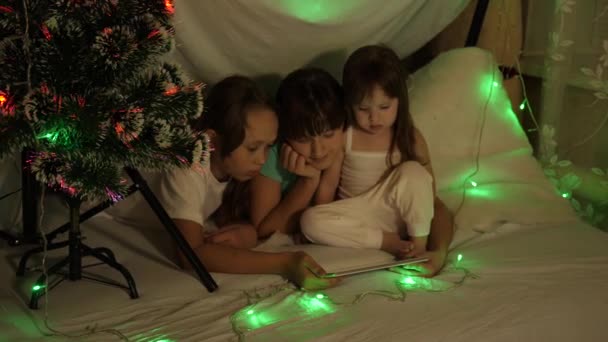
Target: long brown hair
[226, 109]
[377, 65]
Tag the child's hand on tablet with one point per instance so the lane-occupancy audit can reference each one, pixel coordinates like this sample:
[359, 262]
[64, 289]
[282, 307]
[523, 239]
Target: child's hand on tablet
[306, 273]
[419, 246]
[429, 268]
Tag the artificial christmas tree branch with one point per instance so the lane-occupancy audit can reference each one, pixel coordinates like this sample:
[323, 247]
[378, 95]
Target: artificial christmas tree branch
[98, 99]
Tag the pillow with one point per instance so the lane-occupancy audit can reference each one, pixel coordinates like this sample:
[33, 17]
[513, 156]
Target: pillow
[459, 105]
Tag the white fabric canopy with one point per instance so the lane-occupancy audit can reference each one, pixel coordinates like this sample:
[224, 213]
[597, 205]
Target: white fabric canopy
[218, 38]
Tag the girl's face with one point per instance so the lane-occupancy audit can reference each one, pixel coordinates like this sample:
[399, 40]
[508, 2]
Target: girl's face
[247, 159]
[320, 151]
[377, 112]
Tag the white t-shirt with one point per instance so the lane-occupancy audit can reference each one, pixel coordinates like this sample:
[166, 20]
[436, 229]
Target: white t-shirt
[184, 194]
[191, 195]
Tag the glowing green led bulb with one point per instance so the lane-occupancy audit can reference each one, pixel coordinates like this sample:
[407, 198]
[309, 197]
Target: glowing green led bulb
[409, 280]
[250, 312]
[459, 257]
[522, 106]
[37, 287]
[473, 183]
[320, 296]
[565, 195]
[495, 84]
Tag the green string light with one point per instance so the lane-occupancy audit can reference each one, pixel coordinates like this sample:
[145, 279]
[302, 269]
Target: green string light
[409, 281]
[459, 257]
[50, 136]
[317, 305]
[473, 183]
[37, 287]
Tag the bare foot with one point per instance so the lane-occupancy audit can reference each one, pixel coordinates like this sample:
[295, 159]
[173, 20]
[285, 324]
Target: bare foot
[392, 243]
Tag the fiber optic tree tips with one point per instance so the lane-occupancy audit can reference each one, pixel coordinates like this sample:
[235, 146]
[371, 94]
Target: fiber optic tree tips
[83, 85]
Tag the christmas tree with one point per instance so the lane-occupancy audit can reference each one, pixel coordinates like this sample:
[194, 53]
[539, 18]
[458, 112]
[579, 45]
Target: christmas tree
[84, 86]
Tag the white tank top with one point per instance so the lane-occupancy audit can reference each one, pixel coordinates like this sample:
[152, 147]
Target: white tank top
[361, 169]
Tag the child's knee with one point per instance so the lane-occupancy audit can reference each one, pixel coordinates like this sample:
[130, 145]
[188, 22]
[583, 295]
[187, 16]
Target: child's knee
[413, 170]
[310, 223]
[316, 223]
[410, 176]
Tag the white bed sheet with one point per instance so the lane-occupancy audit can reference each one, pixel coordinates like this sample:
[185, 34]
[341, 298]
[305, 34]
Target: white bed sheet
[542, 282]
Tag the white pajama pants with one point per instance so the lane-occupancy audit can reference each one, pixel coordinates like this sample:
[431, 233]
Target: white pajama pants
[402, 202]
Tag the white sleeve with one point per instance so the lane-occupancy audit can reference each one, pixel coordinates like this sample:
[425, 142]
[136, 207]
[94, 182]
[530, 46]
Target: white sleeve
[181, 193]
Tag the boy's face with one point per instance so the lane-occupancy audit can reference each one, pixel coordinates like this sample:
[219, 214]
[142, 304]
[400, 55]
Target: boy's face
[320, 151]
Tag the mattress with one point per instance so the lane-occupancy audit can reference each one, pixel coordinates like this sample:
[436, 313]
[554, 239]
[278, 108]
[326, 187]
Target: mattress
[511, 282]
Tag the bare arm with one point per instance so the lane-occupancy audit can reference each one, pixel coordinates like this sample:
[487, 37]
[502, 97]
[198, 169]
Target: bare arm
[442, 229]
[295, 266]
[270, 213]
[328, 184]
[219, 258]
[424, 157]
[442, 225]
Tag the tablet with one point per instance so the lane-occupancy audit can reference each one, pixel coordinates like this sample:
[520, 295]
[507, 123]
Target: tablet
[373, 268]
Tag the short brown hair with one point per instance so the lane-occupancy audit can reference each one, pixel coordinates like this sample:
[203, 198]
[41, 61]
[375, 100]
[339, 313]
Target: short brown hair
[309, 102]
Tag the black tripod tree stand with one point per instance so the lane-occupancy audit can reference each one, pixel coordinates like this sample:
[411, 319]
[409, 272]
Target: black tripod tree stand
[29, 191]
[78, 250]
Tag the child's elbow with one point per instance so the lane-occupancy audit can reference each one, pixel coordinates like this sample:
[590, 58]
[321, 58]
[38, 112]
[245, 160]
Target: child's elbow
[264, 230]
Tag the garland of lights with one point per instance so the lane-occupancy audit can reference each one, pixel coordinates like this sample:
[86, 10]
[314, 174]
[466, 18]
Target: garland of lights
[313, 301]
[255, 315]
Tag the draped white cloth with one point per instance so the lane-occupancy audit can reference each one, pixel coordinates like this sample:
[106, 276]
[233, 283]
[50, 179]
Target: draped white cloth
[217, 38]
[567, 48]
[270, 38]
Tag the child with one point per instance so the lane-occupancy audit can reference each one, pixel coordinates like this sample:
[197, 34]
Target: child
[304, 168]
[241, 126]
[386, 179]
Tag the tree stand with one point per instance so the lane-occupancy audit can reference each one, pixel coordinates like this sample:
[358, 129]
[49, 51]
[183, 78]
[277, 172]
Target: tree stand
[29, 190]
[77, 249]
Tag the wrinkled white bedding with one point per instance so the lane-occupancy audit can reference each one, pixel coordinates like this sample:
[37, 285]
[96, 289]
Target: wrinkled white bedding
[536, 282]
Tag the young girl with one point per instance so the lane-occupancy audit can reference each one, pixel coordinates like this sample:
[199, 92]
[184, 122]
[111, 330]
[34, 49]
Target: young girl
[304, 167]
[241, 126]
[386, 179]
